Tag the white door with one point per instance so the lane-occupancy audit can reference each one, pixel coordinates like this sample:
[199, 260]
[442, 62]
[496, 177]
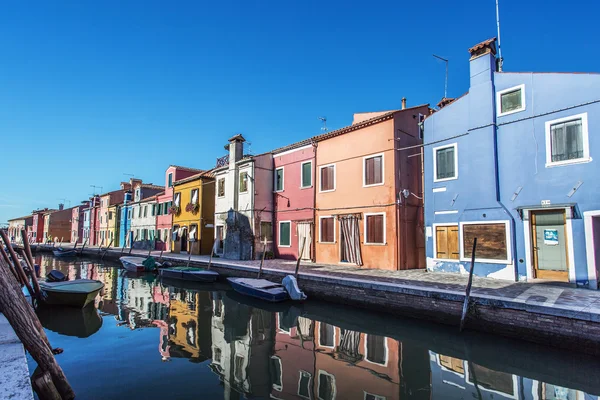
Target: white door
[304, 231]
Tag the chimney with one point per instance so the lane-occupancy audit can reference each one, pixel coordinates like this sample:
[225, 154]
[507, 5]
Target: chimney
[236, 149]
[61, 206]
[482, 62]
[404, 103]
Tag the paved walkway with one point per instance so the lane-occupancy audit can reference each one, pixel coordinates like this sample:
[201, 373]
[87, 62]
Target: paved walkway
[540, 297]
[14, 373]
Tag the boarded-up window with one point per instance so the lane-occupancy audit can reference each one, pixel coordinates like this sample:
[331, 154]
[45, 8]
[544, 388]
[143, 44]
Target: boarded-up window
[328, 178]
[221, 187]
[375, 231]
[491, 241]
[376, 350]
[446, 242]
[327, 227]
[285, 231]
[374, 170]
[243, 182]
[307, 174]
[492, 380]
[452, 364]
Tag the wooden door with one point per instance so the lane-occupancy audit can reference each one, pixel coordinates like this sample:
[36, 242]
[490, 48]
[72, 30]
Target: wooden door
[549, 245]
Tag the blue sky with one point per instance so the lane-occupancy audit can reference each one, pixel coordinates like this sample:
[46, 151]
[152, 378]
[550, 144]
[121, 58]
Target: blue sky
[92, 90]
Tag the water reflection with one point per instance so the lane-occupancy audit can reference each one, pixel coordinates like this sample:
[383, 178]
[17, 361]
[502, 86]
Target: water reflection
[314, 351]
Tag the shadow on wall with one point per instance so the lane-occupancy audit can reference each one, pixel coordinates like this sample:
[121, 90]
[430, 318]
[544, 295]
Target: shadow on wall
[239, 237]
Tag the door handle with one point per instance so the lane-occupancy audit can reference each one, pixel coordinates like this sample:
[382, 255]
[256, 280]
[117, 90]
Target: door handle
[536, 248]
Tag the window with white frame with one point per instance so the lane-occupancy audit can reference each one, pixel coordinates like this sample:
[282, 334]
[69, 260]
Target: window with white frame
[279, 179]
[276, 373]
[221, 187]
[445, 163]
[374, 228]
[376, 349]
[327, 177]
[326, 389]
[306, 175]
[567, 140]
[243, 182]
[285, 233]
[373, 170]
[304, 384]
[493, 241]
[510, 100]
[326, 230]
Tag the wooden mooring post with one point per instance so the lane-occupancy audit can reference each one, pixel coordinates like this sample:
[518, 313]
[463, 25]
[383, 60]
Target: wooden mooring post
[131, 244]
[299, 259]
[465, 309]
[212, 252]
[262, 260]
[27, 326]
[29, 259]
[7, 260]
[105, 250]
[17, 265]
[83, 247]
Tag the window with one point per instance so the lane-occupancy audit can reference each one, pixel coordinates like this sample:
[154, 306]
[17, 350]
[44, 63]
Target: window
[110, 215]
[239, 368]
[129, 213]
[373, 170]
[145, 211]
[375, 228]
[304, 384]
[445, 163]
[216, 355]
[376, 349]
[177, 199]
[139, 210]
[285, 233]
[194, 196]
[326, 335]
[327, 178]
[452, 364]
[326, 230]
[243, 182]
[493, 243]
[567, 141]
[511, 100]
[278, 179]
[497, 381]
[276, 373]
[221, 187]
[170, 179]
[266, 232]
[445, 242]
[306, 175]
[137, 194]
[326, 389]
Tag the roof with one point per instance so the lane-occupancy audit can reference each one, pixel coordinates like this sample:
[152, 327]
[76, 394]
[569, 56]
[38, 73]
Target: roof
[363, 124]
[151, 186]
[237, 137]
[186, 168]
[203, 174]
[18, 218]
[445, 101]
[111, 192]
[293, 146]
[486, 43]
[151, 198]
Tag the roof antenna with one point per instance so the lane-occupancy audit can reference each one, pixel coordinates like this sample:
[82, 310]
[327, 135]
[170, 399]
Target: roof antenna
[500, 59]
[446, 84]
[324, 127]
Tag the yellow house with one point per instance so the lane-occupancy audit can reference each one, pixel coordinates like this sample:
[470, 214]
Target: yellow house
[190, 316]
[193, 212]
[113, 226]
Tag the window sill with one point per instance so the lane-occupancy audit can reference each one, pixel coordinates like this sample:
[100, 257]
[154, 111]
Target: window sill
[487, 261]
[501, 114]
[375, 244]
[375, 184]
[279, 191]
[568, 162]
[453, 260]
[326, 242]
[445, 179]
[306, 187]
[326, 191]
[281, 245]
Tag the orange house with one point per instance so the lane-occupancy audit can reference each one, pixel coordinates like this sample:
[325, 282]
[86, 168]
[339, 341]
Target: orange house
[369, 193]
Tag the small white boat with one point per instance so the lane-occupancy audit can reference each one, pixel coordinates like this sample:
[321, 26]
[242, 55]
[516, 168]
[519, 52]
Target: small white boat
[138, 264]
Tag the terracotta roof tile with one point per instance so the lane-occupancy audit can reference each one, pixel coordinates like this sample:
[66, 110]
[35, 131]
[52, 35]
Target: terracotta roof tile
[186, 168]
[203, 174]
[485, 43]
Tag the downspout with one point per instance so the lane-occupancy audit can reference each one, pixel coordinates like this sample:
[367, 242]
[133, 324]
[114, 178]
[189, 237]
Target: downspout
[398, 200]
[273, 212]
[313, 256]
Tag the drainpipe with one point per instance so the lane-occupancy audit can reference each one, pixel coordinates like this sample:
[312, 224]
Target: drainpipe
[315, 222]
[273, 213]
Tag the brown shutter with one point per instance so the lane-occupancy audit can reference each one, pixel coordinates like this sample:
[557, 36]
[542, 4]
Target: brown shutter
[327, 230]
[375, 229]
[377, 178]
[441, 242]
[324, 180]
[369, 171]
[453, 242]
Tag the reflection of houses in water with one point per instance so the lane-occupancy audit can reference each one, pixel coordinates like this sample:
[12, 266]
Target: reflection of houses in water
[453, 378]
[135, 302]
[188, 325]
[243, 340]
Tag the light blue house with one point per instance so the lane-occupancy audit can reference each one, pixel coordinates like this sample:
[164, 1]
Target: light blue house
[125, 221]
[512, 162]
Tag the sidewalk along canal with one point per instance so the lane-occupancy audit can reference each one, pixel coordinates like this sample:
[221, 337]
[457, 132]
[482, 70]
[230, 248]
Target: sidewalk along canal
[14, 373]
[546, 314]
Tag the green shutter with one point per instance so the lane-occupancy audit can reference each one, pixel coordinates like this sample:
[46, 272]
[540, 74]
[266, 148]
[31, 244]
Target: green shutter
[284, 234]
[306, 174]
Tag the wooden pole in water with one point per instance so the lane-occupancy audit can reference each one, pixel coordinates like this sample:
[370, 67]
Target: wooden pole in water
[17, 265]
[26, 325]
[160, 257]
[36, 286]
[299, 259]
[105, 250]
[83, 247]
[7, 260]
[75, 245]
[468, 290]
[190, 248]
[262, 260]
[212, 251]
[29, 257]
[100, 247]
[134, 240]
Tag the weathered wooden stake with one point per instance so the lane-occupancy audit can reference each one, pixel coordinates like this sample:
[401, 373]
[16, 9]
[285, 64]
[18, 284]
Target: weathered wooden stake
[29, 258]
[100, 247]
[212, 251]
[23, 320]
[105, 250]
[7, 260]
[190, 248]
[83, 247]
[17, 265]
[134, 240]
[75, 245]
[262, 260]
[299, 259]
[160, 258]
[468, 290]
[43, 385]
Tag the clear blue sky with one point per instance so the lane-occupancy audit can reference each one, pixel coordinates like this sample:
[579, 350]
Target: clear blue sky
[90, 90]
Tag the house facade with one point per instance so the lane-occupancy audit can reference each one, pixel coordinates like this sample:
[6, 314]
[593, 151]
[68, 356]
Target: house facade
[193, 212]
[143, 222]
[37, 225]
[293, 201]
[368, 192]
[137, 191]
[16, 225]
[511, 163]
[244, 185]
[57, 225]
[107, 218]
[77, 221]
[164, 219]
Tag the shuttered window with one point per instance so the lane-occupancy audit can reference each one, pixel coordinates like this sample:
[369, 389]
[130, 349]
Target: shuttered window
[446, 242]
[445, 162]
[373, 170]
[375, 229]
[279, 179]
[492, 241]
[376, 350]
[285, 231]
[453, 364]
[243, 182]
[328, 178]
[327, 230]
[307, 174]
[266, 232]
[221, 187]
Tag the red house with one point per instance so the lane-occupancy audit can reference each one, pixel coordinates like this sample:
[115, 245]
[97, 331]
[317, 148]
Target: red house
[294, 200]
[36, 232]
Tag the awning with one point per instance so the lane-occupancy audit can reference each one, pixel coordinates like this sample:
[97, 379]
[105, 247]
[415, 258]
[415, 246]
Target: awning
[575, 214]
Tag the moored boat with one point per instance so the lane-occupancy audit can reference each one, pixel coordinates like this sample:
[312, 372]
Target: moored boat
[60, 252]
[189, 274]
[76, 293]
[138, 264]
[259, 288]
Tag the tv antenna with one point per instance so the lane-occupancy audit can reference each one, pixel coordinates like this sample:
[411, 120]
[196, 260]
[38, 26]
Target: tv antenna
[96, 187]
[324, 121]
[131, 175]
[446, 83]
[65, 201]
[500, 59]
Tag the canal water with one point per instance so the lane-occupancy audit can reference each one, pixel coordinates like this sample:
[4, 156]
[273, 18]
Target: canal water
[149, 339]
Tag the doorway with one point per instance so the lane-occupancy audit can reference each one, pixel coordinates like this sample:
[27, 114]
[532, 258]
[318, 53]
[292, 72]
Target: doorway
[549, 244]
[305, 232]
[350, 240]
[219, 234]
[184, 239]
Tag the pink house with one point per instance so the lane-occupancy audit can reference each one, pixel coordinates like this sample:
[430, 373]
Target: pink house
[77, 218]
[294, 200]
[164, 220]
